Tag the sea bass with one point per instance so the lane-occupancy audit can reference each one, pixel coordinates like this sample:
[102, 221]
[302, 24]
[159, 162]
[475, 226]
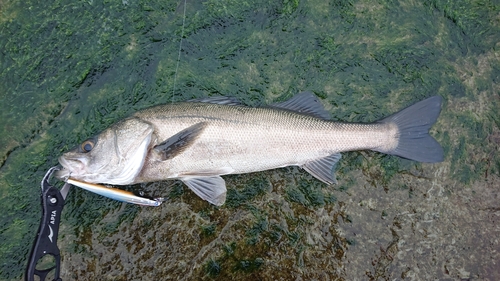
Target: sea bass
[199, 140]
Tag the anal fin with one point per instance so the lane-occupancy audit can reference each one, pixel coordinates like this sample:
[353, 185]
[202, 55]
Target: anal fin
[210, 188]
[323, 168]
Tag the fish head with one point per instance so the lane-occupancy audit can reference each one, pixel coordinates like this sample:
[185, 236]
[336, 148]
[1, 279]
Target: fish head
[115, 156]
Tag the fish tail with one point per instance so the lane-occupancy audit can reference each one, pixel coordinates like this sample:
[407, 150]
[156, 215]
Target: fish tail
[413, 124]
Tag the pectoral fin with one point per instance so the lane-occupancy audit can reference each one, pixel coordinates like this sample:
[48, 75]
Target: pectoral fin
[179, 142]
[211, 189]
[323, 169]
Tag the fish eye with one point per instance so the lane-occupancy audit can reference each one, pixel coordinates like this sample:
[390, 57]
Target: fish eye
[87, 145]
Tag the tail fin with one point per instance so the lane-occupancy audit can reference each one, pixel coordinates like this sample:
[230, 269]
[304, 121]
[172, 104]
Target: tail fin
[414, 123]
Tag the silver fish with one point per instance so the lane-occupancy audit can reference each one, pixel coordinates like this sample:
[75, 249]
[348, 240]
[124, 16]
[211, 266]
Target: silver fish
[200, 140]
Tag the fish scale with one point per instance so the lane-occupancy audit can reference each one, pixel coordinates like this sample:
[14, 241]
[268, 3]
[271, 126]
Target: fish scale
[234, 135]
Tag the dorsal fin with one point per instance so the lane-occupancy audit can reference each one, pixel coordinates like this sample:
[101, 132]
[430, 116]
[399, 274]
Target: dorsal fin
[305, 103]
[218, 100]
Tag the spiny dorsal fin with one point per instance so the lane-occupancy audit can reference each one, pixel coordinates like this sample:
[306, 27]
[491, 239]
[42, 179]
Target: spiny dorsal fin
[211, 189]
[179, 142]
[305, 103]
[218, 100]
[323, 168]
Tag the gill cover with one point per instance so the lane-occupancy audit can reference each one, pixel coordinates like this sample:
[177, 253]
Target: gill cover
[115, 156]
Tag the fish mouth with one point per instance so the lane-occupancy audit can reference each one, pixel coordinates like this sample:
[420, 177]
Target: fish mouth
[62, 174]
[69, 167]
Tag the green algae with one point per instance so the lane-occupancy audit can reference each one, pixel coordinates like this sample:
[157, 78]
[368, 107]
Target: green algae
[251, 189]
[309, 193]
[212, 268]
[70, 69]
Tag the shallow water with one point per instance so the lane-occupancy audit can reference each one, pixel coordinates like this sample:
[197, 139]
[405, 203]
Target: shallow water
[70, 69]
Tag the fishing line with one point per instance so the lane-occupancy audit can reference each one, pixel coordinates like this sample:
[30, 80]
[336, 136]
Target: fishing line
[180, 49]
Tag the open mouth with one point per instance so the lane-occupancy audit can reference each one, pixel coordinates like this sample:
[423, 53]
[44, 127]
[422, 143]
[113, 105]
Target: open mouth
[63, 174]
[68, 167]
